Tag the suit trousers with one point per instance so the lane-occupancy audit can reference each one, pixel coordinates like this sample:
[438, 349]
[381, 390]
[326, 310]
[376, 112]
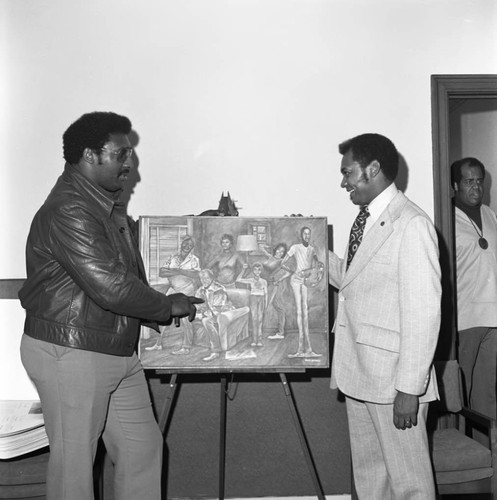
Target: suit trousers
[388, 463]
[87, 395]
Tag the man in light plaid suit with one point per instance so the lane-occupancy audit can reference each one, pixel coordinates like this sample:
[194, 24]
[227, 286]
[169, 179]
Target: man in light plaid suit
[386, 329]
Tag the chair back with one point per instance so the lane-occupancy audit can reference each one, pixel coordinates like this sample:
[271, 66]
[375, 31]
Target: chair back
[449, 385]
[240, 297]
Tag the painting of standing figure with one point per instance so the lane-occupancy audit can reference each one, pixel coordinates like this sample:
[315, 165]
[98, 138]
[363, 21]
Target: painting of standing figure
[264, 285]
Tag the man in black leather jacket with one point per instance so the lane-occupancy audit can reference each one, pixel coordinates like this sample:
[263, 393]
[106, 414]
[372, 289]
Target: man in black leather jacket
[85, 296]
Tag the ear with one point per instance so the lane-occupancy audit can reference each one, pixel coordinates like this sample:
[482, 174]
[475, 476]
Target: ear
[89, 155]
[455, 187]
[374, 168]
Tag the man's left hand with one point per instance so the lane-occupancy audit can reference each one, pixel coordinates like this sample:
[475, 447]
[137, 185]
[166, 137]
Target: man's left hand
[405, 410]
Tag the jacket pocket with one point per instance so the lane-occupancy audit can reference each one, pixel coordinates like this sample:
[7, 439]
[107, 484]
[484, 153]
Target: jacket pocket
[381, 338]
[381, 258]
[99, 319]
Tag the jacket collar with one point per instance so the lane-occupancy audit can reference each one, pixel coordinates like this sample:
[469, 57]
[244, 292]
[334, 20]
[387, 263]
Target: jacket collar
[91, 191]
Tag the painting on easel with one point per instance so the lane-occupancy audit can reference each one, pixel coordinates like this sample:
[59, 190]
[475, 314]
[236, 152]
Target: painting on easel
[265, 287]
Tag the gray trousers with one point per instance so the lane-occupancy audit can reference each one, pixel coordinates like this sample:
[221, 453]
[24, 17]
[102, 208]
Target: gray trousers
[477, 354]
[85, 395]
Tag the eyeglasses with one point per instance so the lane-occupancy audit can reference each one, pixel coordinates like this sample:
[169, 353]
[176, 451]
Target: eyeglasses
[121, 154]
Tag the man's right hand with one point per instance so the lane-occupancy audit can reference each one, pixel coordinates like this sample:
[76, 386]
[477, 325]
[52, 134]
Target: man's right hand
[183, 305]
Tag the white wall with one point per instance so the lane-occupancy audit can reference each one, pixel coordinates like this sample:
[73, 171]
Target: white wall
[250, 96]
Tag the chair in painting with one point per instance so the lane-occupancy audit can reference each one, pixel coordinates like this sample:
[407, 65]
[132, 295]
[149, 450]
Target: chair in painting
[233, 325]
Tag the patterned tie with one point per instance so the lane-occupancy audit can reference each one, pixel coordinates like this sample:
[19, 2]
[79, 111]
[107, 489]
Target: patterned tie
[356, 233]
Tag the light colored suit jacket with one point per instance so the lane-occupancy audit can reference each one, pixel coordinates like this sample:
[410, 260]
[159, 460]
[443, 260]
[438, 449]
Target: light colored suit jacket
[388, 317]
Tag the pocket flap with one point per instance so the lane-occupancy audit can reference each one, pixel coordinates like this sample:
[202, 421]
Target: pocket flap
[376, 336]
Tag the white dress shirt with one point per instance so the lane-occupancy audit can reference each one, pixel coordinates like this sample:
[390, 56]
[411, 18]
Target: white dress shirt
[378, 205]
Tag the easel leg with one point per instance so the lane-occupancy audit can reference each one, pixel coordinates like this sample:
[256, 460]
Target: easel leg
[222, 438]
[303, 440]
[166, 407]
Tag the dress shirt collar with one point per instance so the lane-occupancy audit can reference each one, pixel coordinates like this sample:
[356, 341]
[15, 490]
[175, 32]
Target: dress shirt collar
[381, 202]
[378, 205]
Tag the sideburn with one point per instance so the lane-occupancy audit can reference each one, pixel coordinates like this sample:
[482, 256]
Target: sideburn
[364, 176]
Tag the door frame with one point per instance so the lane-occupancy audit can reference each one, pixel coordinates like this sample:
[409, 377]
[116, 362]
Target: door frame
[444, 88]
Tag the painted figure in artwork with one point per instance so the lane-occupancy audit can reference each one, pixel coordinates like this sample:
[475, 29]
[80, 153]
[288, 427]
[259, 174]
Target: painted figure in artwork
[181, 269]
[216, 313]
[228, 263]
[277, 275]
[179, 274]
[306, 262]
[258, 300]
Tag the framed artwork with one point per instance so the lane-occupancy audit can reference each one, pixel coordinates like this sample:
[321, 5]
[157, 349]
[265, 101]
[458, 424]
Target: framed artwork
[264, 282]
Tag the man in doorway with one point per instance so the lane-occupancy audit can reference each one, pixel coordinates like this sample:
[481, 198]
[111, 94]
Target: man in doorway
[387, 326]
[85, 296]
[476, 265]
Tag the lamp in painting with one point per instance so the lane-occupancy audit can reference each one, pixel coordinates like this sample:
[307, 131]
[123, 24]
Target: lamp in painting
[247, 243]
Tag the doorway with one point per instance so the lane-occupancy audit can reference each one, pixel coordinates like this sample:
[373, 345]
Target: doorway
[458, 104]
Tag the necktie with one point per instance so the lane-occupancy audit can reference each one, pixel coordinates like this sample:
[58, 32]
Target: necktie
[356, 233]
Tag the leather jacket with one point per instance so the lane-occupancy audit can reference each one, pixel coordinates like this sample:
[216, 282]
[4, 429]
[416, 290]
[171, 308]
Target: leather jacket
[86, 286]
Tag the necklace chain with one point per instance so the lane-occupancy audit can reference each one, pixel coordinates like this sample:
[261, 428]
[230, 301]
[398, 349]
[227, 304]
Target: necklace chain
[481, 240]
[476, 227]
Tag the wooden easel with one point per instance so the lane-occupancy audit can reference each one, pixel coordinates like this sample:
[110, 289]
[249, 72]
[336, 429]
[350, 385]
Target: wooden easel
[166, 410]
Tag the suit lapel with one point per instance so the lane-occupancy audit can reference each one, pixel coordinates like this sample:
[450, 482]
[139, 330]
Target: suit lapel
[375, 238]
